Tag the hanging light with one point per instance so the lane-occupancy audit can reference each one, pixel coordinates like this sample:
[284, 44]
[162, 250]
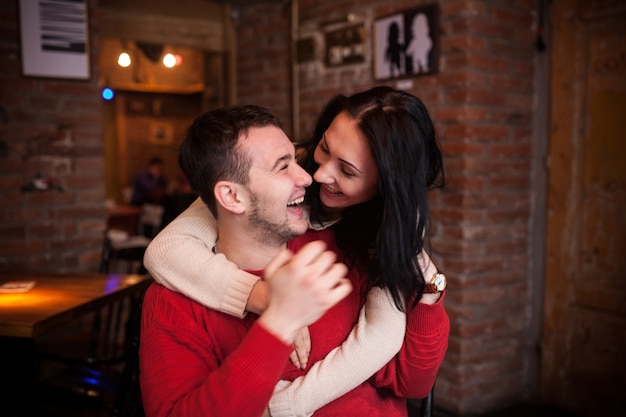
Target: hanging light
[169, 60]
[172, 60]
[124, 60]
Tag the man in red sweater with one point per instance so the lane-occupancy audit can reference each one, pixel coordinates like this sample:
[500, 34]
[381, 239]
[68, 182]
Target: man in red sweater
[195, 361]
[199, 362]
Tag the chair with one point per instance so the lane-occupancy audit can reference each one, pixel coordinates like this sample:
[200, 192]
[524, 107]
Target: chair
[97, 369]
[128, 399]
[129, 232]
[150, 220]
[425, 408]
[123, 254]
[173, 205]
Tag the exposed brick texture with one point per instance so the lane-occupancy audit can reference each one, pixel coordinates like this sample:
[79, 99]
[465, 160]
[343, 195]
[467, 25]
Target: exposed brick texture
[54, 128]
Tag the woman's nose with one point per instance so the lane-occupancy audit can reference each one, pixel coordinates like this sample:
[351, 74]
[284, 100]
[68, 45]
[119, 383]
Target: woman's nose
[322, 175]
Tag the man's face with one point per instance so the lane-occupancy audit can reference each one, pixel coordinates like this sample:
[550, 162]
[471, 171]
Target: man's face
[276, 186]
[155, 170]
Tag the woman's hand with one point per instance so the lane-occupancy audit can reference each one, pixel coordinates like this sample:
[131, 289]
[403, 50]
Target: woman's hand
[302, 349]
[259, 297]
[430, 298]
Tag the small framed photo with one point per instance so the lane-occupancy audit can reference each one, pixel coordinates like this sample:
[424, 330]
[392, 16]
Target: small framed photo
[54, 38]
[161, 133]
[407, 43]
[345, 46]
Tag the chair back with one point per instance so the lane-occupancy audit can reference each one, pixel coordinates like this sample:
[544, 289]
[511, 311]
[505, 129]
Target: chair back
[426, 410]
[128, 399]
[99, 368]
[423, 407]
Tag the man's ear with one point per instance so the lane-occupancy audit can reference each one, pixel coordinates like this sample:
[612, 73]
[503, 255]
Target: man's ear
[228, 195]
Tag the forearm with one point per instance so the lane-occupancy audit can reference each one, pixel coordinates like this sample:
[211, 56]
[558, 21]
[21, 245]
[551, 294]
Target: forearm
[374, 340]
[413, 371]
[366, 351]
[180, 257]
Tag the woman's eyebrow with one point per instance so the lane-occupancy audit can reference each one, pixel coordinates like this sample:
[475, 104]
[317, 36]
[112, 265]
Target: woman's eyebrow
[350, 164]
[340, 159]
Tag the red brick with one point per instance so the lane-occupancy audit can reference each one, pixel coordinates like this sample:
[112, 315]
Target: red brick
[464, 43]
[466, 183]
[22, 248]
[512, 18]
[459, 114]
[463, 8]
[511, 182]
[476, 132]
[462, 148]
[520, 150]
[11, 233]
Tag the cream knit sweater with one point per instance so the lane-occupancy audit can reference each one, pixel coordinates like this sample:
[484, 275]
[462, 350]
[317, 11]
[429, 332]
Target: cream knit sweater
[180, 257]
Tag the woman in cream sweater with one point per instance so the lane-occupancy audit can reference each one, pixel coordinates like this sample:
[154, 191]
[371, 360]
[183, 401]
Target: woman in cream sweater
[373, 157]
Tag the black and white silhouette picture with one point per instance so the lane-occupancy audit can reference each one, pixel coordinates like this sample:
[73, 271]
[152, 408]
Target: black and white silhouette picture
[406, 44]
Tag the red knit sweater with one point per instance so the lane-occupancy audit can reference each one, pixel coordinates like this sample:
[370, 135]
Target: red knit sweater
[199, 362]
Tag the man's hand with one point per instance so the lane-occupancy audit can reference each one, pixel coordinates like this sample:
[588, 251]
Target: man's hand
[302, 288]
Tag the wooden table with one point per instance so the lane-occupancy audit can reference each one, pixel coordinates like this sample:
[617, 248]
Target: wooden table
[55, 300]
[59, 298]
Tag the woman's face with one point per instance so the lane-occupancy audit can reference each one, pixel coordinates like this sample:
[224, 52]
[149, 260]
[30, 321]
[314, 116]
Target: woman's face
[347, 171]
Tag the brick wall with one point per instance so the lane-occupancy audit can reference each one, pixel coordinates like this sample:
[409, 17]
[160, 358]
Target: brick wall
[53, 127]
[264, 70]
[482, 104]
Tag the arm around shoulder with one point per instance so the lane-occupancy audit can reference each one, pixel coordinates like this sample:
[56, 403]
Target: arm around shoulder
[181, 258]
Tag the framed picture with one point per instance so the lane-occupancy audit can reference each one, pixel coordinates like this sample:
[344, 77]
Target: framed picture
[54, 38]
[407, 43]
[345, 46]
[161, 133]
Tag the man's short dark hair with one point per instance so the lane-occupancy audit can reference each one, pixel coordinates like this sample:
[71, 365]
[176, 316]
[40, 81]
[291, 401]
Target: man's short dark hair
[209, 152]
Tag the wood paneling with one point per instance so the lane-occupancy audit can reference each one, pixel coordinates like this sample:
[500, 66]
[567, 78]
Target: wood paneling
[584, 335]
[194, 23]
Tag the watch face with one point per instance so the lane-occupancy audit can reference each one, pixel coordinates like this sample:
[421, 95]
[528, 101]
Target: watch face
[440, 282]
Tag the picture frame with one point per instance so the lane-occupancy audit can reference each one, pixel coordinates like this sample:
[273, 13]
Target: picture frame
[55, 38]
[345, 46]
[406, 43]
[161, 133]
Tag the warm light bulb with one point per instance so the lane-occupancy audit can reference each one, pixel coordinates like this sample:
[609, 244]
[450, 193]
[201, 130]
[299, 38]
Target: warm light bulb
[169, 60]
[123, 60]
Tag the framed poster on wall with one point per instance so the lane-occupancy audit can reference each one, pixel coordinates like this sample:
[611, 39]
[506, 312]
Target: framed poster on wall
[54, 38]
[407, 43]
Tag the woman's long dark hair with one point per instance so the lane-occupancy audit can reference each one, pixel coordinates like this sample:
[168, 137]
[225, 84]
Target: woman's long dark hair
[384, 235]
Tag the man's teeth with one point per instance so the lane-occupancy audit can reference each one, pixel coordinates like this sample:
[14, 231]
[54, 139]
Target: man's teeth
[296, 201]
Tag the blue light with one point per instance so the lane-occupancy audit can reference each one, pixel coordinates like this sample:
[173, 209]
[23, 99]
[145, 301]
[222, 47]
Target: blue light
[107, 94]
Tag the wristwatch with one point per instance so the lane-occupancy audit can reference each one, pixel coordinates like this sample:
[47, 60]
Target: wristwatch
[436, 285]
